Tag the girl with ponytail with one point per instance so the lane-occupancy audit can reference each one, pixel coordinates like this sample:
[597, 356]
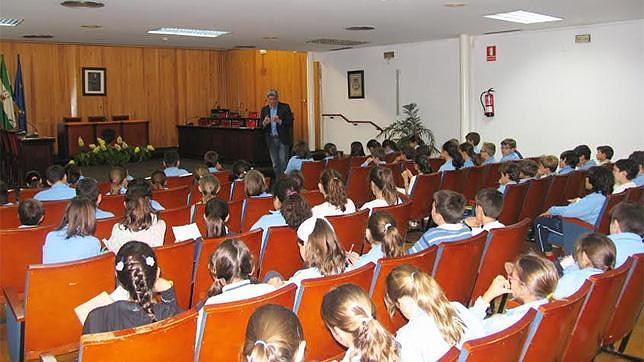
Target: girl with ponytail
[451, 155]
[422, 167]
[208, 187]
[333, 188]
[434, 324]
[348, 313]
[467, 153]
[385, 239]
[273, 334]
[216, 216]
[381, 182]
[138, 273]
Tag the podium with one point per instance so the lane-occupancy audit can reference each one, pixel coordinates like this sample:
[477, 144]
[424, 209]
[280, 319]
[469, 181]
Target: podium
[134, 132]
[36, 154]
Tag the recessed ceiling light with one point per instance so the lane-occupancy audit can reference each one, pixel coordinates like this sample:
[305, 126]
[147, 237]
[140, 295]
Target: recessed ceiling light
[523, 17]
[37, 36]
[455, 5]
[91, 26]
[189, 32]
[270, 38]
[82, 4]
[360, 28]
[10, 21]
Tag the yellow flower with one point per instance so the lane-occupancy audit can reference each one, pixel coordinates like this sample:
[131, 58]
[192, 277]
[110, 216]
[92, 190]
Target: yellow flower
[124, 145]
[137, 149]
[92, 146]
[102, 147]
[150, 148]
[117, 147]
[100, 141]
[71, 162]
[119, 140]
[81, 143]
[96, 150]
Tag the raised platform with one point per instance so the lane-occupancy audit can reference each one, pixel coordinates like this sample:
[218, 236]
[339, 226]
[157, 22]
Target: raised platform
[232, 143]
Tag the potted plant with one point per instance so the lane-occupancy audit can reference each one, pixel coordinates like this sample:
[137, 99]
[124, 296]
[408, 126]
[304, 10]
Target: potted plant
[401, 130]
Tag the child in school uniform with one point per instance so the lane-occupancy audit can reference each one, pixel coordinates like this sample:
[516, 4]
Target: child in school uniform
[583, 153]
[255, 184]
[451, 155]
[422, 167]
[594, 253]
[389, 146]
[356, 149]
[330, 151]
[638, 157]
[377, 157]
[509, 150]
[274, 333]
[604, 155]
[88, 187]
[373, 144]
[239, 170]
[349, 314]
[487, 153]
[208, 187]
[334, 191]
[385, 239]
[31, 213]
[118, 180]
[137, 272]
[489, 204]
[73, 239]
[171, 164]
[282, 190]
[434, 323]
[624, 171]
[547, 165]
[467, 153]
[73, 173]
[58, 190]
[474, 139]
[527, 170]
[447, 212]
[211, 159]
[508, 175]
[158, 180]
[568, 160]
[216, 216]
[627, 230]
[33, 180]
[381, 182]
[300, 154]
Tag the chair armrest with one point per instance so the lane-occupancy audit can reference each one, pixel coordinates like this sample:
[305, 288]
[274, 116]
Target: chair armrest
[15, 304]
[578, 222]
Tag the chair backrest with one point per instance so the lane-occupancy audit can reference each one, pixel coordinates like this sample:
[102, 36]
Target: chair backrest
[603, 225]
[455, 180]
[535, 197]
[104, 187]
[474, 183]
[350, 229]
[635, 194]
[358, 185]
[173, 182]
[391, 157]
[174, 217]
[492, 175]
[173, 340]
[224, 324]
[457, 265]
[104, 227]
[313, 197]
[575, 184]
[238, 191]
[198, 217]
[504, 345]
[400, 213]
[172, 197]
[629, 304]
[255, 208]
[342, 165]
[28, 193]
[396, 173]
[311, 171]
[512, 202]
[556, 195]
[20, 248]
[9, 217]
[422, 194]
[423, 261]
[52, 292]
[502, 245]
[176, 263]
[587, 335]
[113, 203]
[552, 326]
[54, 212]
[451, 355]
[309, 302]
[436, 163]
[202, 280]
[356, 161]
[235, 213]
[281, 253]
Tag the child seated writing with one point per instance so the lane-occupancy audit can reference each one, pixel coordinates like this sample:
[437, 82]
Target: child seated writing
[527, 170]
[567, 162]
[447, 212]
[422, 167]
[274, 333]
[547, 165]
[31, 213]
[377, 157]
[138, 272]
[88, 187]
[332, 187]
[59, 190]
[627, 230]
[624, 171]
[487, 153]
[171, 164]
[158, 180]
[385, 240]
[211, 159]
[118, 180]
[509, 175]
[300, 154]
[489, 204]
[604, 155]
[381, 182]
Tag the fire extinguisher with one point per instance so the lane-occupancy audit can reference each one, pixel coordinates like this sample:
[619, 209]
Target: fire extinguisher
[487, 101]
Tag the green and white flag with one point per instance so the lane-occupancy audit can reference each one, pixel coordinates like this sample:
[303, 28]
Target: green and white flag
[6, 96]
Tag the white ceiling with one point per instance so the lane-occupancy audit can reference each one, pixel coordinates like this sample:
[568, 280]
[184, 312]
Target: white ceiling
[295, 21]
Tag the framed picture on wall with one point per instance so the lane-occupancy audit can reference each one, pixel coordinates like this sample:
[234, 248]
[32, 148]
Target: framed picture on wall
[355, 83]
[94, 82]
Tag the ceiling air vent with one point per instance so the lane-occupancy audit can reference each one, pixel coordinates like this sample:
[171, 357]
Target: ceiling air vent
[360, 28]
[337, 42]
[37, 36]
[82, 4]
[343, 48]
[245, 46]
[502, 31]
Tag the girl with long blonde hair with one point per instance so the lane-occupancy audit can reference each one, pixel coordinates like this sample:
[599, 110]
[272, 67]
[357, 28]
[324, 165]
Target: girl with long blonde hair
[273, 334]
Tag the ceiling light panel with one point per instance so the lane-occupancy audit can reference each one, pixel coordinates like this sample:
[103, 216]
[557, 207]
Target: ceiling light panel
[10, 21]
[523, 17]
[201, 33]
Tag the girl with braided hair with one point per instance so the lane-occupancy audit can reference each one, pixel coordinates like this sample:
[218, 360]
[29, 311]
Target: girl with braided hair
[138, 273]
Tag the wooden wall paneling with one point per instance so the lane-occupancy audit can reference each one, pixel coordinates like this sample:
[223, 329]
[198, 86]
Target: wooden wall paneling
[304, 106]
[168, 98]
[241, 77]
[216, 79]
[152, 93]
[317, 81]
[92, 56]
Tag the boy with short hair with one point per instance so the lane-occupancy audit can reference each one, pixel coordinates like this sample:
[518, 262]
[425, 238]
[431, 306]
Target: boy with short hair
[638, 157]
[211, 159]
[88, 187]
[509, 150]
[624, 171]
[585, 162]
[489, 204]
[371, 144]
[547, 165]
[568, 160]
[627, 230]
[604, 155]
[447, 212]
[73, 173]
[474, 139]
[31, 213]
[59, 190]
[487, 153]
[508, 175]
[527, 170]
[171, 164]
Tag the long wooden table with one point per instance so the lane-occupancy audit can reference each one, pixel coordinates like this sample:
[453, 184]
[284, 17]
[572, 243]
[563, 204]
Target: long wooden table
[232, 143]
[134, 132]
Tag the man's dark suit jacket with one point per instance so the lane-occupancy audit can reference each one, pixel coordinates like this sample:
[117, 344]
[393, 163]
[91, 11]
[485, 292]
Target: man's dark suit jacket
[285, 130]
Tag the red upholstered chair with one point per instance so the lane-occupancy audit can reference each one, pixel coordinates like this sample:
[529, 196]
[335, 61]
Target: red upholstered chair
[342, 165]
[281, 253]
[54, 212]
[463, 256]
[224, 325]
[104, 187]
[391, 157]
[350, 229]
[505, 345]
[113, 203]
[51, 294]
[396, 172]
[590, 328]
[202, 279]
[237, 191]
[575, 184]
[311, 171]
[474, 182]
[552, 326]
[29, 193]
[173, 340]
[235, 212]
[309, 301]
[176, 262]
[104, 227]
[556, 195]
[436, 163]
[400, 213]
[451, 355]
[492, 175]
[512, 202]
[455, 180]
[356, 161]
[423, 261]
[179, 181]
[223, 176]
[313, 197]
[635, 194]
[422, 195]
[174, 217]
[534, 198]
[358, 187]
[172, 197]
[502, 245]
[9, 217]
[254, 208]
[628, 307]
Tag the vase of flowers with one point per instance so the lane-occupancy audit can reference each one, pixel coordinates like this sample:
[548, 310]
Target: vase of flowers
[117, 153]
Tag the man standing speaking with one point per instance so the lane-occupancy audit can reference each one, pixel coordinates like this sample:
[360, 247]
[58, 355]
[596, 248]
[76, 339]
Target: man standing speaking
[277, 120]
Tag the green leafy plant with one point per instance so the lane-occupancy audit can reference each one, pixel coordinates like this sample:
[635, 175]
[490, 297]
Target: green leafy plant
[400, 131]
[117, 153]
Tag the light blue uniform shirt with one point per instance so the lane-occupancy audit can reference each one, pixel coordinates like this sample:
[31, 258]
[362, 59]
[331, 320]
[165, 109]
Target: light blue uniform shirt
[175, 171]
[273, 112]
[501, 188]
[639, 180]
[565, 170]
[439, 234]
[501, 321]
[371, 257]
[572, 280]
[627, 244]
[273, 218]
[586, 209]
[101, 214]
[156, 205]
[447, 166]
[468, 163]
[588, 164]
[57, 191]
[477, 149]
[295, 164]
[490, 160]
[212, 169]
[58, 248]
[511, 157]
